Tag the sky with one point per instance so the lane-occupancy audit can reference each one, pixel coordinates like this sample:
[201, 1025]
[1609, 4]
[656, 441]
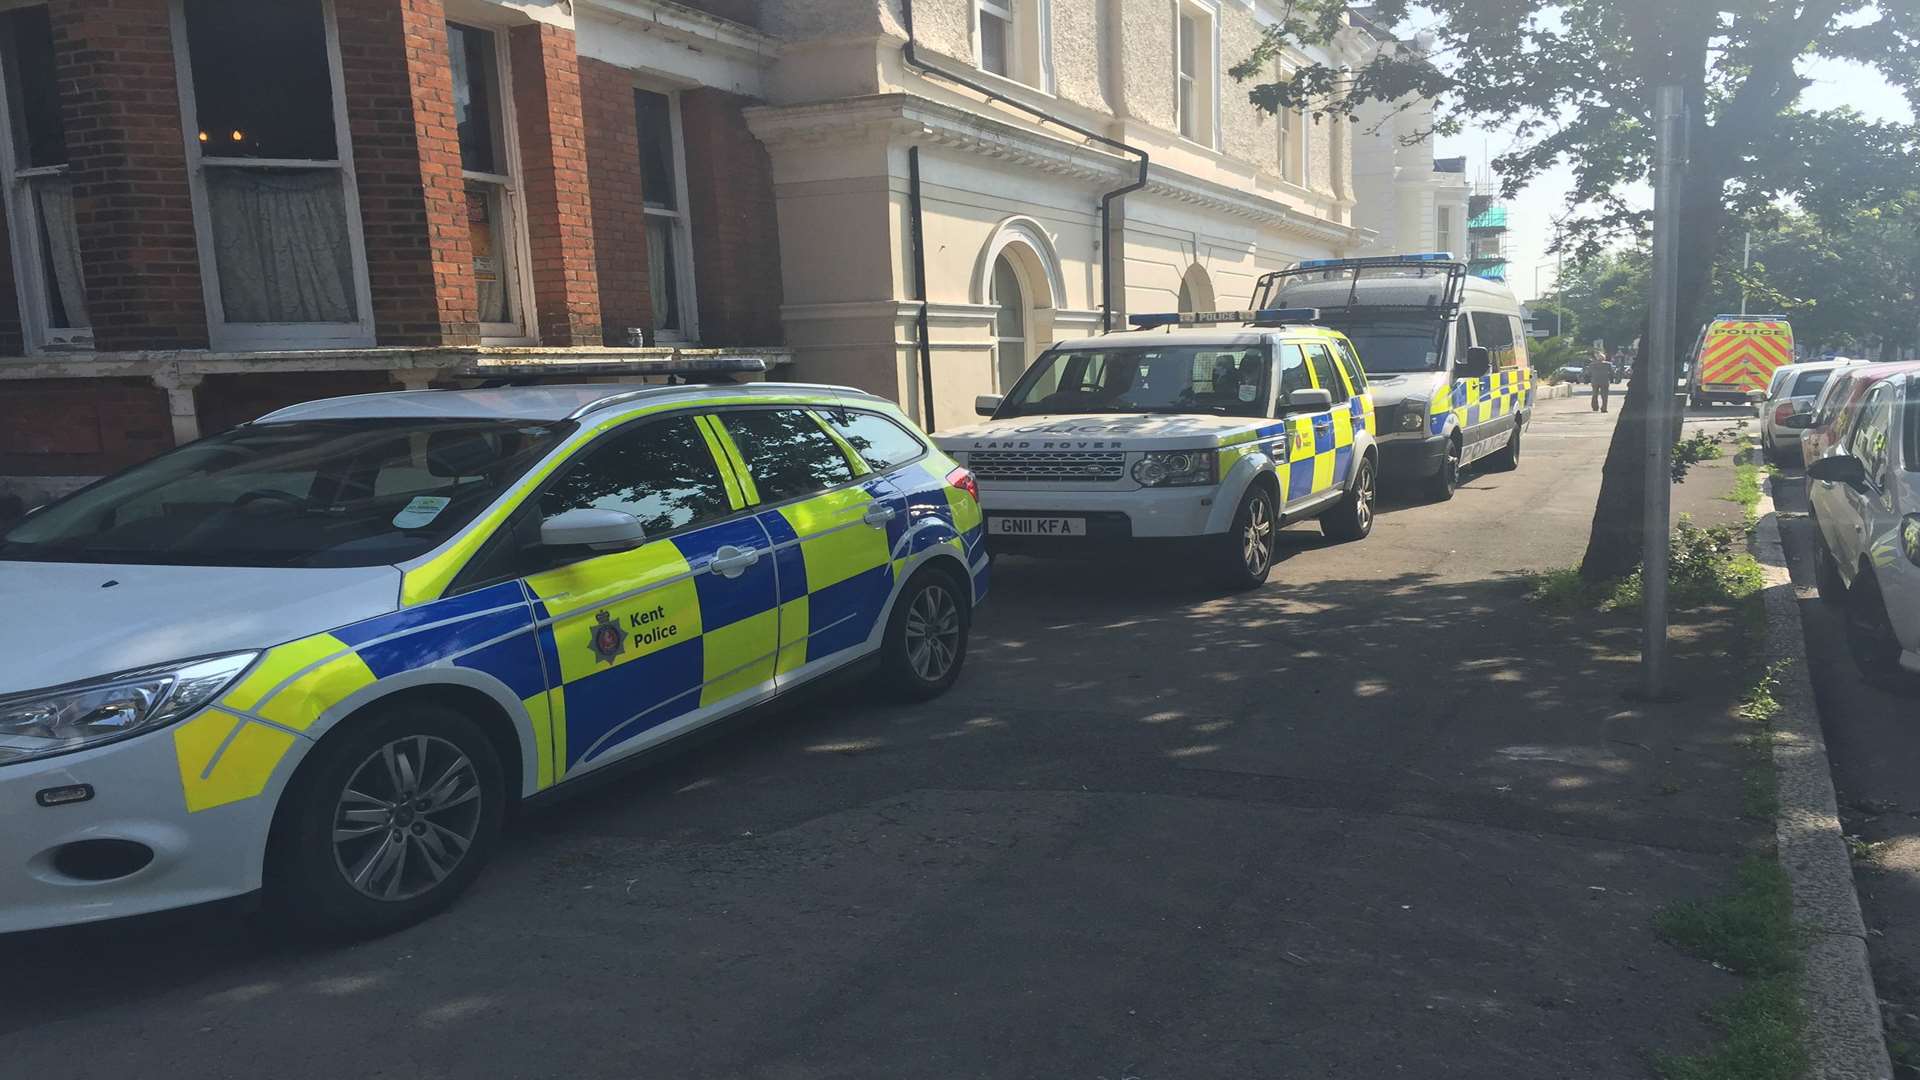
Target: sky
[1531, 270]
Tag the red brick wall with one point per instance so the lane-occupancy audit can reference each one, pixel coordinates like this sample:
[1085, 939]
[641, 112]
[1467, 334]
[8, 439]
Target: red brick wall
[406, 155]
[619, 215]
[736, 238]
[80, 427]
[228, 400]
[553, 165]
[121, 105]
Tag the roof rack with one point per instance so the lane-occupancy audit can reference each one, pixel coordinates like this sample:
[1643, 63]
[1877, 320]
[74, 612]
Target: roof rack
[1414, 268]
[1255, 317]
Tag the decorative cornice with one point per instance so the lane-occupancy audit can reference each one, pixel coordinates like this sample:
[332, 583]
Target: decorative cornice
[892, 117]
[680, 23]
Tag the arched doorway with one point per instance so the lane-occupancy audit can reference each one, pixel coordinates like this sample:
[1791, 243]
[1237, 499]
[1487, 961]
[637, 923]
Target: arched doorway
[1196, 290]
[1011, 345]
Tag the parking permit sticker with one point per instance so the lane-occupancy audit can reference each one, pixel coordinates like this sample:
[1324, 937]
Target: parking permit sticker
[1248, 393]
[420, 512]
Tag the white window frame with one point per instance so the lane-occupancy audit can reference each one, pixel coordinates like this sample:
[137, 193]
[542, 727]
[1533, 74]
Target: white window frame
[689, 331]
[1002, 10]
[23, 228]
[519, 261]
[1443, 227]
[240, 337]
[1029, 43]
[1205, 83]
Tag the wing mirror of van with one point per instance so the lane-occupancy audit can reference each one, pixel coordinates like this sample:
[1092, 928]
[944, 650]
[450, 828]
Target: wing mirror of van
[987, 404]
[1840, 469]
[1309, 400]
[592, 527]
[1476, 363]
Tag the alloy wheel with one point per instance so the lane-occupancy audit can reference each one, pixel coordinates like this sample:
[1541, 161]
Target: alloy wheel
[1363, 509]
[933, 632]
[406, 818]
[1256, 540]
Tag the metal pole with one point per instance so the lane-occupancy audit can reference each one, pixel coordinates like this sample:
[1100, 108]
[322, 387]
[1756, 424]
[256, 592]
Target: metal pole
[1559, 257]
[1746, 263]
[1669, 128]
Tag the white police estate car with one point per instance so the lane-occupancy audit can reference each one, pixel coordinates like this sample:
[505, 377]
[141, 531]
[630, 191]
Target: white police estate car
[325, 652]
[1216, 428]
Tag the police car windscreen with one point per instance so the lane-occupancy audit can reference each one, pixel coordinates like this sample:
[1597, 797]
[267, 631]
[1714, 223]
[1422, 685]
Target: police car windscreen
[310, 493]
[1218, 380]
[1391, 346]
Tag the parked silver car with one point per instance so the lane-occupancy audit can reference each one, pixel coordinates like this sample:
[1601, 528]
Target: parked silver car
[1787, 406]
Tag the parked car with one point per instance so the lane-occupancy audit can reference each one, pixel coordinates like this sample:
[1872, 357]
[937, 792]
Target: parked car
[324, 654]
[1786, 406]
[1832, 408]
[1865, 493]
[1573, 374]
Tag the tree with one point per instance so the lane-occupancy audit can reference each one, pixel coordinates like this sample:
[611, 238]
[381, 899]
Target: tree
[1574, 79]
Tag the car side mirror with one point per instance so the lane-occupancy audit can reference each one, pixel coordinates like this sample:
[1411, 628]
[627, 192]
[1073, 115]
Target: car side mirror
[1310, 400]
[591, 527]
[1798, 420]
[1840, 469]
[1756, 396]
[1476, 363]
[987, 404]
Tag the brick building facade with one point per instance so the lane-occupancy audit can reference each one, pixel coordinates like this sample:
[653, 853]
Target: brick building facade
[453, 191]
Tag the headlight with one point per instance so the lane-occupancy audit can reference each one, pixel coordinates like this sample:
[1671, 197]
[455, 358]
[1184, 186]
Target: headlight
[85, 714]
[1175, 468]
[1413, 414]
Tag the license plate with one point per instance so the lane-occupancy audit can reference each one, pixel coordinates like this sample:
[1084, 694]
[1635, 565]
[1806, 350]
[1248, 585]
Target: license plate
[1036, 526]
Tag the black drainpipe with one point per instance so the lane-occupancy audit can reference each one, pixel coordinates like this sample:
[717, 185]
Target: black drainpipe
[920, 283]
[1106, 200]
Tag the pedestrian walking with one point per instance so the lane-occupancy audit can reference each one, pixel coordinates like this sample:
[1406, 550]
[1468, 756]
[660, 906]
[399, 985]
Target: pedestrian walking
[1600, 375]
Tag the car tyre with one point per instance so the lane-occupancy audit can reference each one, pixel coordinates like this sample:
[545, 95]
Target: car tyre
[1870, 637]
[418, 778]
[1443, 483]
[926, 642]
[1508, 459]
[1826, 571]
[1245, 553]
[1352, 519]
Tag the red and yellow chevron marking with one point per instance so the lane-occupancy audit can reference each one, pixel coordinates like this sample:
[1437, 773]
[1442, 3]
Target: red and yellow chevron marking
[1745, 354]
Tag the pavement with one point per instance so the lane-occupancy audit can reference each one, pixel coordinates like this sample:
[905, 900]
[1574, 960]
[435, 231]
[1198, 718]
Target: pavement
[1382, 817]
[1872, 743]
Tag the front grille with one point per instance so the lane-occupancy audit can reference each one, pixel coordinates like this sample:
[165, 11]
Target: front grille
[1086, 466]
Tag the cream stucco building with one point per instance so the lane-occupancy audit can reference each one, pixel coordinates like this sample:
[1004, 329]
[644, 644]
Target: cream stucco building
[1009, 204]
[1403, 196]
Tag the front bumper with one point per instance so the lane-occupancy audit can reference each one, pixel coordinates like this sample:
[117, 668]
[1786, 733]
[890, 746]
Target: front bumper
[1414, 455]
[138, 797]
[1140, 513]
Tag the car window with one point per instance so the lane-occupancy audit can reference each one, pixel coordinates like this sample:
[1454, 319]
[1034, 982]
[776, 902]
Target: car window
[1293, 371]
[1518, 333]
[1869, 439]
[1780, 375]
[1350, 364]
[660, 471]
[1461, 339]
[880, 441]
[787, 452]
[1809, 382]
[1323, 371]
[1495, 332]
[1829, 399]
[1230, 380]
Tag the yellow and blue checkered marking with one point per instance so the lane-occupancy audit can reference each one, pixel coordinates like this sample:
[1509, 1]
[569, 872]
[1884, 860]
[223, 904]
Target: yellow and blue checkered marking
[1472, 402]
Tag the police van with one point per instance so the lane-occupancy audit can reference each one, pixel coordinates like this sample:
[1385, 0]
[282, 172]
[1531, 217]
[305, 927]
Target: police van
[1444, 351]
[1216, 428]
[326, 651]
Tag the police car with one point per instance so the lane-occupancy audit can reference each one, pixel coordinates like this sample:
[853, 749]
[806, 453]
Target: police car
[1215, 428]
[325, 652]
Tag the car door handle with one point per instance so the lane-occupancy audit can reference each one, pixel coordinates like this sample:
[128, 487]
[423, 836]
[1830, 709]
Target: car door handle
[878, 515]
[730, 561]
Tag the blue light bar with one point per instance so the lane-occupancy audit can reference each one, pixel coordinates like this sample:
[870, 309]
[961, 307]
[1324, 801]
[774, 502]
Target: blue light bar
[1262, 317]
[1377, 260]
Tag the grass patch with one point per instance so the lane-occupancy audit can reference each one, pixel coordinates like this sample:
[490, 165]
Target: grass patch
[1705, 567]
[1746, 487]
[1749, 931]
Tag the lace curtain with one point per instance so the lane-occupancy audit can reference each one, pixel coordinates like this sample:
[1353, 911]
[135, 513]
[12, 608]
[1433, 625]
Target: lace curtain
[280, 242]
[60, 235]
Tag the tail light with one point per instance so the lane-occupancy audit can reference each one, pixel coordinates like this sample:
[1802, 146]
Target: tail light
[1782, 412]
[962, 478]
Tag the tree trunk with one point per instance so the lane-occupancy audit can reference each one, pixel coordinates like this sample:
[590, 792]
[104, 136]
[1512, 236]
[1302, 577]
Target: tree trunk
[1613, 543]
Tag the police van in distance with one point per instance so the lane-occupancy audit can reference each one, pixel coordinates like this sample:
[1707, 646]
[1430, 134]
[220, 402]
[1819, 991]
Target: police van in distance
[326, 651]
[1214, 428]
[1445, 353]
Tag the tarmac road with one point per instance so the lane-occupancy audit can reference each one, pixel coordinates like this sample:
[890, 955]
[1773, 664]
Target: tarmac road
[1375, 819]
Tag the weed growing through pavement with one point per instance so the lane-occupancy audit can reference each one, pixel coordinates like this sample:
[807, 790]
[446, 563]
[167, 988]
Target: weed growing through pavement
[1692, 450]
[1746, 487]
[1704, 567]
[1759, 794]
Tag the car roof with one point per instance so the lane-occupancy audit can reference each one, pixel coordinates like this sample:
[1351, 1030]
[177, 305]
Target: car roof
[1222, 334]
[550, 403]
